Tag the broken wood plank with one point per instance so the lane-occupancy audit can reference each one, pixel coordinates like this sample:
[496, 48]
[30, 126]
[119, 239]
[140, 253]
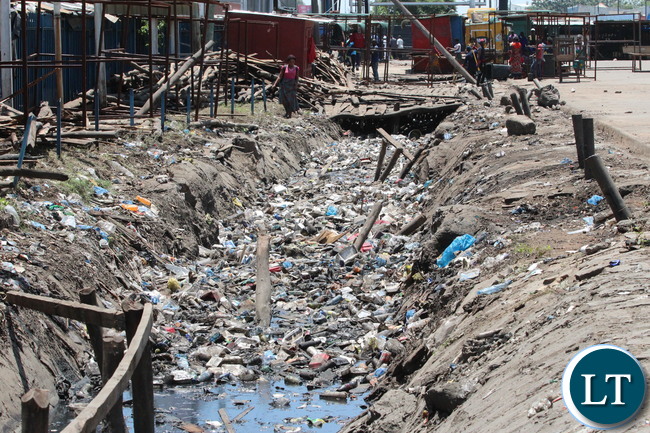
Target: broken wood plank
[34, 174]
[263, 282]
[226, 420]
[243, 414]
[107, 318]
[370, 221]
[386, 136]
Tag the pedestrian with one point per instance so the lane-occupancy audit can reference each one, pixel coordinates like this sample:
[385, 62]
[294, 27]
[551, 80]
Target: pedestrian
[480, 62]
[393, 46]
[538, 63]
[385, 45]
[400, 45]
[470, 61]
[515, 57]
[359, 41]
[287, 82]
[374, 61]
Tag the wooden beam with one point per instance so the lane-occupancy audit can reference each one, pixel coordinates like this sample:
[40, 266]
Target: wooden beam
[89, 418]
[226, 420]
[370, 221]
[113, 351]
[380, 159]
[88, 296]
[142, 378]
[34, 174]
[35, 411]
[263, 282]
[386, 136]
[104, 317]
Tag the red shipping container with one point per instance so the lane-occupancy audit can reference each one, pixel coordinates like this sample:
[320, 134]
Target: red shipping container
[440, 28]
[272, 37]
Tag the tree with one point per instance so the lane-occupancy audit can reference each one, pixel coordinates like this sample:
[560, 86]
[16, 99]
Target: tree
[563, 5]
[428, 8]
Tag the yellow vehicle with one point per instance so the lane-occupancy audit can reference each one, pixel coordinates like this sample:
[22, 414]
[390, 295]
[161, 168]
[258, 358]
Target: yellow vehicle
[481, 24]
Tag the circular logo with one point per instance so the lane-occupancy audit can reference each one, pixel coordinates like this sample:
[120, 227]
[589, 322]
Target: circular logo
[603, 386]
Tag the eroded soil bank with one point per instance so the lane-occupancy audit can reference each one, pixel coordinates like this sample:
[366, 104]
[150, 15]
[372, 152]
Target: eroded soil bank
[433, 353]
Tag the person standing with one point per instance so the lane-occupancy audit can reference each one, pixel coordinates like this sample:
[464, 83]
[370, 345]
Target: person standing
[480, 62]
[359, 41]
[470, 61]
[393, 46]
[538, 64]
[287, 82]
[515, 58]
[400, 45]
[374, 61]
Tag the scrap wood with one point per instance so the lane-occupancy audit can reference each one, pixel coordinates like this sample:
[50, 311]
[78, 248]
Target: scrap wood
[226, 420]
[243, 414]
[35, 174]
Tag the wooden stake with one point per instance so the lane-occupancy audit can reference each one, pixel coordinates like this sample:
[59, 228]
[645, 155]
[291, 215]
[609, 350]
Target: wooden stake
[263, 282]
[611, 193]
[35, 411]
[142, 379]
[391, 165]
[226, 420]
[412, 226]
[409, 165]
[113, 351]
[380, 160]
[88, 296]
[370, 221]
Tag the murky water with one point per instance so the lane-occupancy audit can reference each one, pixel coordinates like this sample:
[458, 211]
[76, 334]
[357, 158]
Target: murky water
[200, 406]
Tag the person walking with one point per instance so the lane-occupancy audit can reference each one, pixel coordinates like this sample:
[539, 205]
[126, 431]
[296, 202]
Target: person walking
[480, 62]
[374, 61]
[287, 82]
[515, 58]
[400, 45]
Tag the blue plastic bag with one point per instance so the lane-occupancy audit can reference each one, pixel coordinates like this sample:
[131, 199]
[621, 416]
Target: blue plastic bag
[331, 211]
[594, 200]
[494, 289]
[461, 243]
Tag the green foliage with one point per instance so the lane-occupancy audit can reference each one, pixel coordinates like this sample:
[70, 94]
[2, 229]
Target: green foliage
[144, 31]
[428, 8]
[563, 5]
[528, 250]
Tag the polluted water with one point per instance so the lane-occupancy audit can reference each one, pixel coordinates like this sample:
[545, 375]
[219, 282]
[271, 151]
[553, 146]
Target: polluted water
[337, 256]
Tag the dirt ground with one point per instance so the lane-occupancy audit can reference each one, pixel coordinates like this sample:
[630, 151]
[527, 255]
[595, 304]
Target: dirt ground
[523, 197]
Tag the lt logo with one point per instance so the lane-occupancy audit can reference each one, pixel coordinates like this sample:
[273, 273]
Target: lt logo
[603, 386]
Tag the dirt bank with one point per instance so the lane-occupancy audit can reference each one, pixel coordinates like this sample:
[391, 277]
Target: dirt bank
[494, 362]
[77, 234]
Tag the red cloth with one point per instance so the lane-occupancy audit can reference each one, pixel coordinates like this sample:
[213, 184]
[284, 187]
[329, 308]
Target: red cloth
[311, 54]
[358, 39]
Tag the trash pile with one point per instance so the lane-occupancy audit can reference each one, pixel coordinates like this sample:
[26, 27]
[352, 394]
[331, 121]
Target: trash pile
[335, 309]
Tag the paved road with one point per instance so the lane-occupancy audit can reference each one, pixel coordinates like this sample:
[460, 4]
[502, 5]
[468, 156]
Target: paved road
[618, 98]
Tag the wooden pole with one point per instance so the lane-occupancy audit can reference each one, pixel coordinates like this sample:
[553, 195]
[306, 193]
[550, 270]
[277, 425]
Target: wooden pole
[457, 66]
[173, 79]
[370, 221]
[579, 136]
[588, 143]
[515, 103]
[380, 160]
[412, 226]
[6, 74]
[263, 282]
[98, 16]
[113, 351]
[142, 379]
[88, 296]
[390, 165]
[611, 193]
[35, 407]
[409, 165]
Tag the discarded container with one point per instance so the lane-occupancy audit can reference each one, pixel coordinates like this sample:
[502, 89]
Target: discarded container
[318, 360]
[143, 200]
[494, 289]
[334, 395]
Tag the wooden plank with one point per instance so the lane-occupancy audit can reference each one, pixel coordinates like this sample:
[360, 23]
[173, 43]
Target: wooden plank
[142, 378]
[89, 418]
[263, 285]
[35, 411]
[34, 174]
[386, 136]
[243, 414]
[226, 420]
[370, 221]
[107, 318]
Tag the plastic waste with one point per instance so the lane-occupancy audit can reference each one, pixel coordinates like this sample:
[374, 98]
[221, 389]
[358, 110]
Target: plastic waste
[14, 214]
[37, 225]
[495, 288]
[99, 191]
[461, 243]
[594, 200]
[469, 275]
[143, 200]
[69, 221]
[331, 211]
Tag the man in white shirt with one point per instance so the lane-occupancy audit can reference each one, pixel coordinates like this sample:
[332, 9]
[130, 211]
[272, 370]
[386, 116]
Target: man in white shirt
[400, 45]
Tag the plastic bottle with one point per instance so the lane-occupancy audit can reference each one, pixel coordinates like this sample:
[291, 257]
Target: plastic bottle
[494, 289]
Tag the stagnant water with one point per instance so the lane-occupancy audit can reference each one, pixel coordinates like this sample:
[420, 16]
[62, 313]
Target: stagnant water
[200, 406]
